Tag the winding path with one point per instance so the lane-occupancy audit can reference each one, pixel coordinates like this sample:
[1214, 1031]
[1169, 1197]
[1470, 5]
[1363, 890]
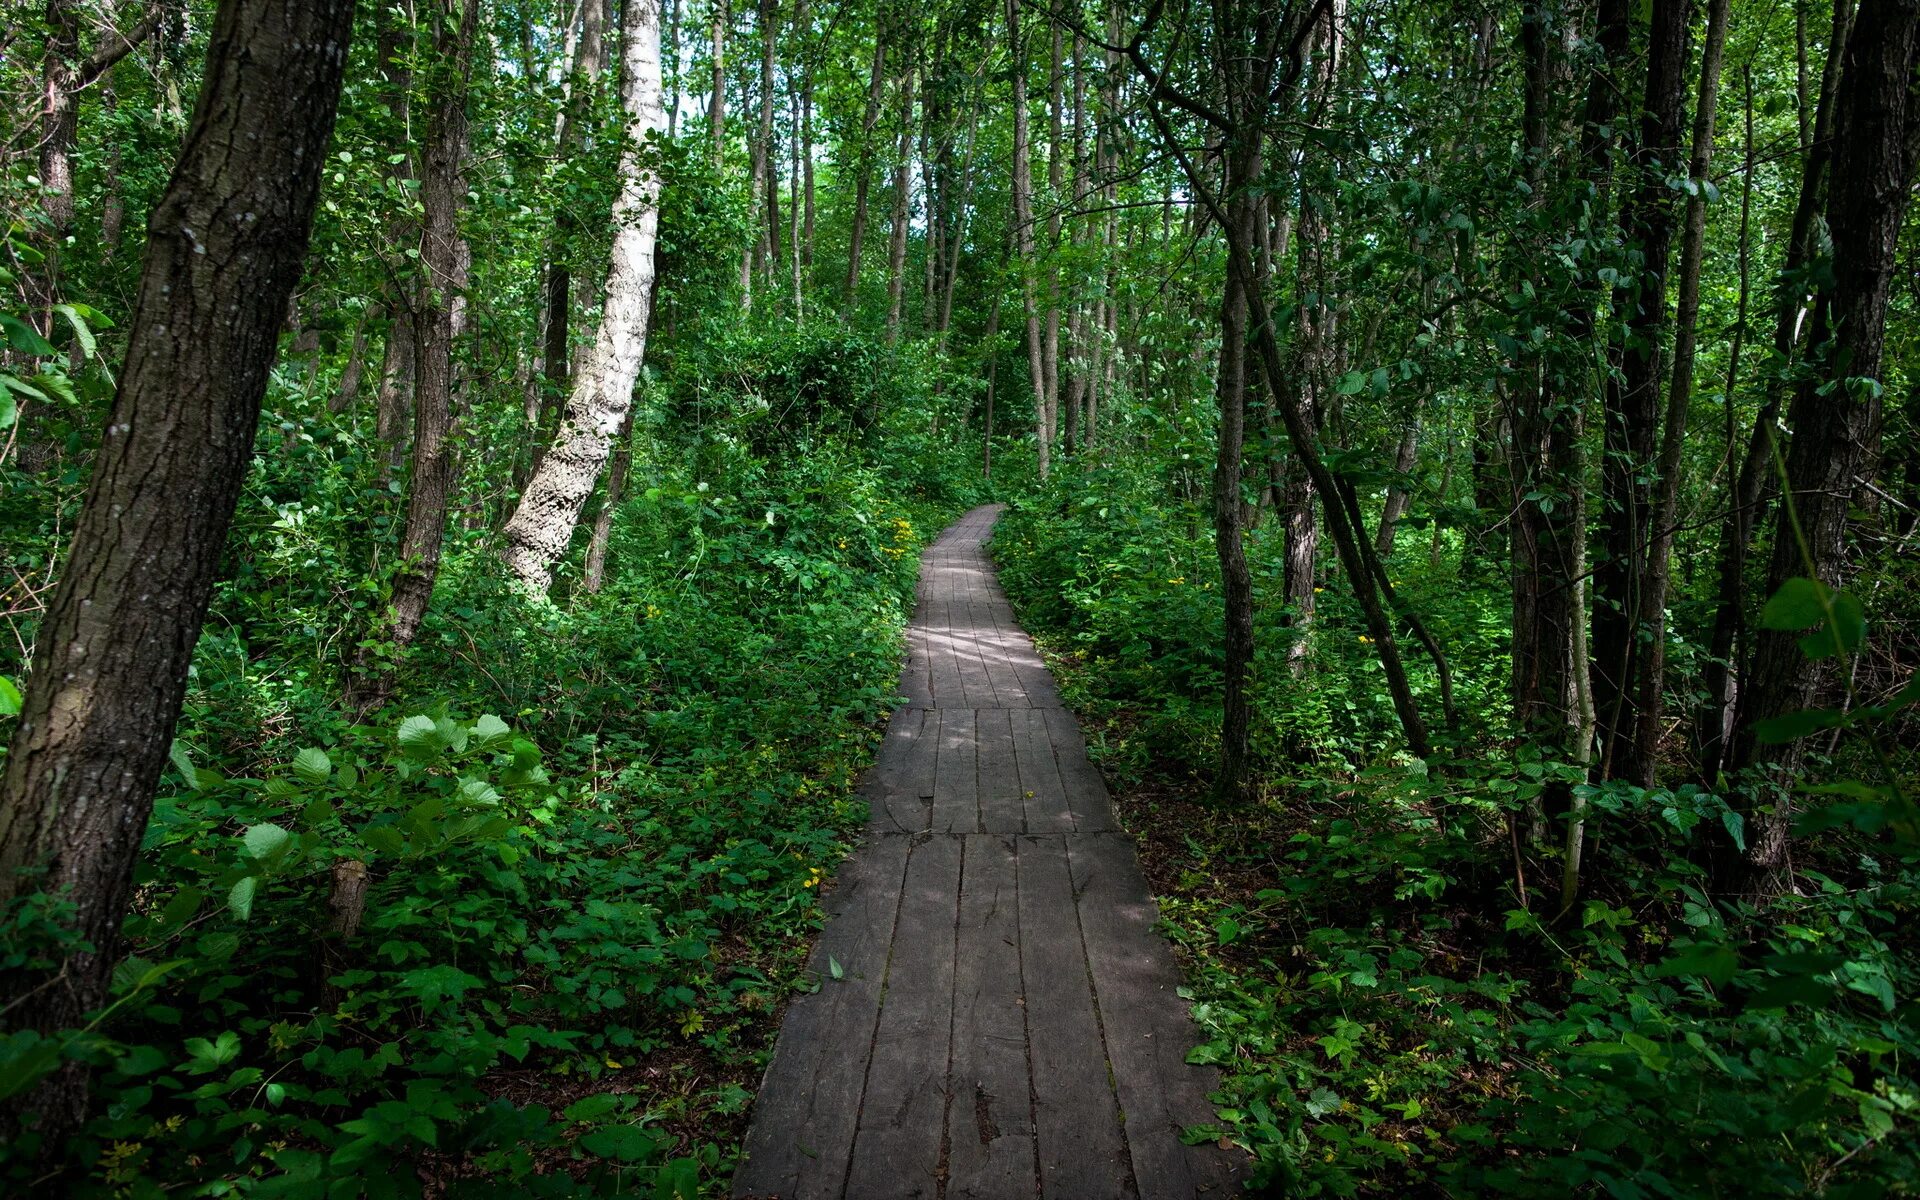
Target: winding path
[996, 1016]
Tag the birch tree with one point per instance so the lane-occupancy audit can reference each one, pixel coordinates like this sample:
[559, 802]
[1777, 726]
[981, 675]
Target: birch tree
[602, 391]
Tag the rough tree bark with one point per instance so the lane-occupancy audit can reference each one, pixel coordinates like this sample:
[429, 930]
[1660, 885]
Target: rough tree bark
[225, 245]
[1835, 429]
[1023, 237]
[902, 212]
[1650, 683]
[1727, 641]
[542, 525]
[863, 167]
[434, 320]
[1633, 403]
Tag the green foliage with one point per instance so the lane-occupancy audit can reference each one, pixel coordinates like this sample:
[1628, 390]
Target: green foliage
[1392, 1010]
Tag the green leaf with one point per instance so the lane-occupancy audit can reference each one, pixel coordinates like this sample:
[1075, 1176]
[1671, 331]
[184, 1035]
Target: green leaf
[177, 754]
[834, 968]
[1796, 725]
[9, 409]
[591, 1108]
[240, 899]
[81, 333]
[25, 1058]
[312, 767]
[1710, 960]
[419, 738]
[9, 693]
[1799, 604]
[22, 337]
[265, 841]
[488, 730]
[626, 1143]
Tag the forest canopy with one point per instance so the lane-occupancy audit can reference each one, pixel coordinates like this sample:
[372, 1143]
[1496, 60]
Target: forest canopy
[464, 466]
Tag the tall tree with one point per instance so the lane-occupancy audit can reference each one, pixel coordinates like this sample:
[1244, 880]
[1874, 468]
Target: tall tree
[1650, 681]
[542, 526]
[1632, 407]
[224, 250]
[1836, 412]
[435, 303]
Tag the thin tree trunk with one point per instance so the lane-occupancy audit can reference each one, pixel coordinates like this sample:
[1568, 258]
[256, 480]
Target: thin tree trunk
[1404, 460]
[717, 102]
[111, 659]
[431, 480]
[393, 405]
[1633, 403]
[1023, 237]
[1639, 766]
[348, 392]
[863, 169]
[542, 526]
[1726, 643]
[902, 210]
[766, 176]
[1835, 430]
[595, 574]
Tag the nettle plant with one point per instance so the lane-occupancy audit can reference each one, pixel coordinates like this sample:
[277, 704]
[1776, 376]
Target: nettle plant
[322, 995]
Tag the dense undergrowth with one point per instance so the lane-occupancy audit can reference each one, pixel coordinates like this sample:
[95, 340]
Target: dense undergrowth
[529, 927]
[1395, 1008]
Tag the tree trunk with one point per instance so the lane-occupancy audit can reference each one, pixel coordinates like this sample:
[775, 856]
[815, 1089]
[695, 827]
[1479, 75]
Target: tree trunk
[348, 392]
[863, 169]
[766, 177]
[110, 662]
[1835, 427]
[1633, 403]
[902, 211]
[1404, 460]
[595, 574]
[542, 526]
[1754, 483]
[717, 102]
[393, 410]
[431, 479]
[1023, 238]
[1638, 766]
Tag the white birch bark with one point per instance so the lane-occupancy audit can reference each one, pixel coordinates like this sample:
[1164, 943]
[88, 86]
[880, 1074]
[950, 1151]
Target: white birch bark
[602, 392]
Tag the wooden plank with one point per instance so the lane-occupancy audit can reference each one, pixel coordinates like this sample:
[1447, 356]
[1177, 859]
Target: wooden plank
[899, 789]
[995, 653]
[1003, 807]
[970, 653]
[1076, 1120]
[1041, 789]
[956, 799]
[1086, 790]
[916, 674]
[990, 1153]
[804, 1120]
[1025, 659]
[896, 1153]
[1147, 1029]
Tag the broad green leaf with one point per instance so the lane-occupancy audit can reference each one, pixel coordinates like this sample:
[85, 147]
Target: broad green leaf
[312, 767]
[626, 1143]
[1799, 604]
[9, 694]
[1796, 725]
[418, 737]
[78, 324]
[488, 730]
[1710, 960]
[183, 763]
[265, 841]
[240, 899]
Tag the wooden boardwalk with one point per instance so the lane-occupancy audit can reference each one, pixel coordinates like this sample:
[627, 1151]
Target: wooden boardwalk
[996, 1015]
